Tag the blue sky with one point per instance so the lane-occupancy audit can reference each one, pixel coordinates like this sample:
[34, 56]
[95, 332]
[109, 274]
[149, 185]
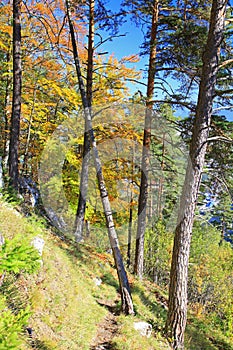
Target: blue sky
[130, 44]
[127, 45]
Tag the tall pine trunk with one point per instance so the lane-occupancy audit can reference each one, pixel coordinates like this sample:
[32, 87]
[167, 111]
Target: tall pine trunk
[83, 187]
[177, 308]
[16, 104]
[127, 305]
[143, 195]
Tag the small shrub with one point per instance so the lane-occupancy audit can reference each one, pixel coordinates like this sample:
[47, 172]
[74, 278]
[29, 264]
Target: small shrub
[16, 256]
[11, 325]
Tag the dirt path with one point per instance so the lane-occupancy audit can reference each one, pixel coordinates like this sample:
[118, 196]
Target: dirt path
[106, 331]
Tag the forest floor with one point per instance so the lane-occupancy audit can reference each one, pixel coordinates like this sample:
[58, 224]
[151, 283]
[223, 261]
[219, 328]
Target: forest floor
[107, 330]
[69, 311]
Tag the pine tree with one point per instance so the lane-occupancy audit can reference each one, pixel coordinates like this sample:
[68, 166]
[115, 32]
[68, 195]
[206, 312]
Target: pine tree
[177, 307]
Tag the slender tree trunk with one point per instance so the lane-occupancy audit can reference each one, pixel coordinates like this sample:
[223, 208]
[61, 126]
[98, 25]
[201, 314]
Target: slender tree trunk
[130, 231]
[130, 212]
[161, 182]
[127, 305]
[2, 241]
[83, 188]
[150, 209]
[25, 157]
[16, 104]
[177, 308]
[91, 33]
[142, 203]
[1, 175]
[6, 116]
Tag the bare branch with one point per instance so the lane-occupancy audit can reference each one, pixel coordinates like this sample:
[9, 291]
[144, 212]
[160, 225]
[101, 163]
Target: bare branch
[136, 81]
[102, 41]
[222, 108]
[220, 138]
[187, 105]
[225, 63]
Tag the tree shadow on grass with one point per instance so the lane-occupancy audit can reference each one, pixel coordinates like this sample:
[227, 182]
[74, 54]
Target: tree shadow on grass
[40, 345]
[196, 335]
[221, 345]
[197, 338]
[109, 279]
[156, 307]
[34, 342]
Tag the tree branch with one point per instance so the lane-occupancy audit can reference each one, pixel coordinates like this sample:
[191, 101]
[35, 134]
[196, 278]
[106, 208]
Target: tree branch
[220, 138]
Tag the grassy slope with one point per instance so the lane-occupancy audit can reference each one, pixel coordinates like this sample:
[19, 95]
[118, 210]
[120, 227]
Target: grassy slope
[67, 306]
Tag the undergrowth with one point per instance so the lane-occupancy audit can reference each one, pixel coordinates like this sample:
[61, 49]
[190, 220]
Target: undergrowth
[60, 306]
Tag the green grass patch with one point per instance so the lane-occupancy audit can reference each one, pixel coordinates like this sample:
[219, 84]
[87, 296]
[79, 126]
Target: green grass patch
[65, 307]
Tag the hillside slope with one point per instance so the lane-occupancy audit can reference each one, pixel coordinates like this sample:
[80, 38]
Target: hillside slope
[74, 299]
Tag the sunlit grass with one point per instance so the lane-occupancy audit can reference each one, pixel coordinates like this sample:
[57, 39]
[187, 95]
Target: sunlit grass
[65, 312]
[68, 307]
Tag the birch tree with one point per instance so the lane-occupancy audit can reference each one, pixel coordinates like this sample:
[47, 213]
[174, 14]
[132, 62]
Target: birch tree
[127, 305]
[79, 220]
[98, 16]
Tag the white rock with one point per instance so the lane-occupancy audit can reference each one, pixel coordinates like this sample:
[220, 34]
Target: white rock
[97, 281]
[2, 240]
[144, 328]
[38, 243]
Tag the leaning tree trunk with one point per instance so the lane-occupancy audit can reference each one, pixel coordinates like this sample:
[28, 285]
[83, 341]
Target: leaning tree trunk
[80, 215]
[177, 307]
[127, 305]
[143, 195]
[16, 104]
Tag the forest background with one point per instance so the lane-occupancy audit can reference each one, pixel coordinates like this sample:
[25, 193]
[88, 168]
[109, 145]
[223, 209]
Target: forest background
[40, 119]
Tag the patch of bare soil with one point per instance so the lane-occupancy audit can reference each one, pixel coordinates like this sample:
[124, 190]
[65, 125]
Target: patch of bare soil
[107, 330]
